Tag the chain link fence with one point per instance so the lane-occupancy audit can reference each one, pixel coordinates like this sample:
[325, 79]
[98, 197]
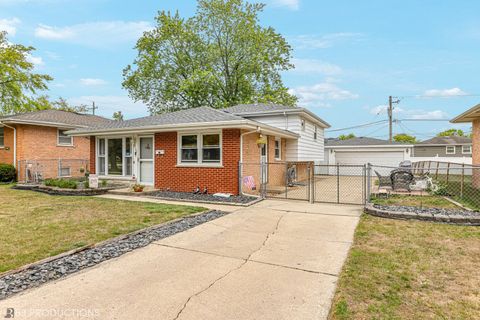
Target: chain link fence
[304, 181]
[459, 182]
[34, 171]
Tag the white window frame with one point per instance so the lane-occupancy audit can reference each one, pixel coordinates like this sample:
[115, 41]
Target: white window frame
[454, 150]
[469, 149]
[303, 124]
[97, 156]
[315, 132]
[279, 140]
[65, 175]
[64, 144]
[200, 162]
[2, 145]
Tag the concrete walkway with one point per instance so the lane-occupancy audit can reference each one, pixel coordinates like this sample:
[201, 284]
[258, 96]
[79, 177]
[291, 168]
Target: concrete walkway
[274, 260]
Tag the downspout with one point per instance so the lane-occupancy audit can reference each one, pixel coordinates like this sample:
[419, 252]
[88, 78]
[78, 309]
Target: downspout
[14, 144]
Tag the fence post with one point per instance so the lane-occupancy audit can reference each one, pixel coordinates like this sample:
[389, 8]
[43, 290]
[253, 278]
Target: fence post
[369, 181]
[448, 171]
[463, 180]
[309, 172]
[436, 173]
[240, 191]
[59, 167]
[286, 180]
[338, 183]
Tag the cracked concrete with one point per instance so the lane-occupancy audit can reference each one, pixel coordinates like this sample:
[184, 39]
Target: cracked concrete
[274, 260]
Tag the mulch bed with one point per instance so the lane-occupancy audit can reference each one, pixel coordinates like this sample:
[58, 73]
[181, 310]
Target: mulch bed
[190, 196]
[60, 266]
[462, 217]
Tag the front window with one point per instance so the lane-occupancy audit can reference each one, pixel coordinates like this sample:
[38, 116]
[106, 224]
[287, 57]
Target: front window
[115, 156]
[200, 148]
[64, 139]
[450, 149]
[315, 133]
[278, 149]
[467, 149]
[2, 138]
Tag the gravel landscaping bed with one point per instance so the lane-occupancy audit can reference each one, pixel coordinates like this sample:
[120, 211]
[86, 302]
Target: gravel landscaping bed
[463, 217]
[201, 197]
[63, 265]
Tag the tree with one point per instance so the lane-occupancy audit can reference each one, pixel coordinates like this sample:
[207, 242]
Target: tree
[451, 132]
[18, 82]
[62, 104]
[346, 137]
[405, 138]
[117, 116]
[220, 57]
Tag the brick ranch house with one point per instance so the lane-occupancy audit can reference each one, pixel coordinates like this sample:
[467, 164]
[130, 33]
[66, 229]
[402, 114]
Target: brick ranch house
[473, 116]
[39, 138]
[204, 147]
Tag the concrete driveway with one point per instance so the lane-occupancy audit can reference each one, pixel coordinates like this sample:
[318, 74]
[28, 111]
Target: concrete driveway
[274, 260]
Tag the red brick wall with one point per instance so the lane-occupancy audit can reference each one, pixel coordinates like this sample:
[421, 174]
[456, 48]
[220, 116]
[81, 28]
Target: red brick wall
[93, 155]
[6, 156]
[176, 178]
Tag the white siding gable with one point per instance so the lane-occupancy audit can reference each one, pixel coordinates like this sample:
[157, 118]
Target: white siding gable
[306, 148]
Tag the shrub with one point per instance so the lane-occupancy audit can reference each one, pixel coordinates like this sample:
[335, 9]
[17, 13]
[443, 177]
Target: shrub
[7, 172]
[61, 183]
[104, 183]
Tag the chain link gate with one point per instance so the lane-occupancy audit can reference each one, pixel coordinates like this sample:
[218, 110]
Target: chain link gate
[342, 184]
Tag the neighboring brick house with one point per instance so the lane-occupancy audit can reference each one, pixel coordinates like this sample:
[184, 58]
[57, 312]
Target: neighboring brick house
[38, 139]
[448, 147]
[473, 116]
[204, 147]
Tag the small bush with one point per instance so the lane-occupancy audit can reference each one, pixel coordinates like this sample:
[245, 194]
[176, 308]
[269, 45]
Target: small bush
[7, 172]
[104, 183]
[61, 183]
[442, 190]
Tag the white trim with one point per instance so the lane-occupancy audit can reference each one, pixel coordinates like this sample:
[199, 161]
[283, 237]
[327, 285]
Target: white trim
[454, 150]
[279, 140]
[300, 111]
[105, 156]
[200, 162]
[399, 146]
[470, 149]
[44, 123]
[64, 144]
[139, 160]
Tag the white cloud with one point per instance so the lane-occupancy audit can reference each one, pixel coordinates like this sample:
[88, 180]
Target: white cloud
[290, 4]
[319, 94]
[95, 34]
[9, 25]
[107, 105]
[37, 61]
[324, 41]
[92, 82]
[444, 92]
[315, 66]
[427, 115]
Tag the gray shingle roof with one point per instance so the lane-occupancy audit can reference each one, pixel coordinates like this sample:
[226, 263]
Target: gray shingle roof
[452, 140]
[196, 115]
[359, 141]
[257, 107]
[58, 117]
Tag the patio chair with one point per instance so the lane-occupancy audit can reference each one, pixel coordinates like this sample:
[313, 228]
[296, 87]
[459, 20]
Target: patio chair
[402, 180]
[383, 181]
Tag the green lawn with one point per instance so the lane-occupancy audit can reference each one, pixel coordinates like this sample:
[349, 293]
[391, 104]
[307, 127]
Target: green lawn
[416, 201]
[410, 270]
[34, 226]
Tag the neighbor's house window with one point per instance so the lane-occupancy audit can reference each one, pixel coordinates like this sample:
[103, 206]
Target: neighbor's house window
[450, 150]
[315, 133]
[302, 124]
[200, 148]
[115, 156]
[65, 172]
[278, 149]
[63, 139]
[466, 149]
[2, 138]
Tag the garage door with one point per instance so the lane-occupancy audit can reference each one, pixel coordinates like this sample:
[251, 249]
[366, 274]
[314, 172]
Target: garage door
[377, 158]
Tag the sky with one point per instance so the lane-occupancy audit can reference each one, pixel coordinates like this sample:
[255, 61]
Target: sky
[349, 56]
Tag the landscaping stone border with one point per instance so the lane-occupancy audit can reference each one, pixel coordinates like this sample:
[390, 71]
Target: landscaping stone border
[459, 217]
[53, 268]
[63, 192]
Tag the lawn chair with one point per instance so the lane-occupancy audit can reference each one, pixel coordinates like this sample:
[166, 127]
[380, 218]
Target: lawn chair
[402, 180]
[383, 181]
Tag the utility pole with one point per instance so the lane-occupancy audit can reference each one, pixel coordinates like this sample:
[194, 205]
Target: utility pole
[390, 117]
[93, 107]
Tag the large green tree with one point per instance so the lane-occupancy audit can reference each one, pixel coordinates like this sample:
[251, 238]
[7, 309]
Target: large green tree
[19, 84]
[220, 57]
[405, 138]
[451, 132]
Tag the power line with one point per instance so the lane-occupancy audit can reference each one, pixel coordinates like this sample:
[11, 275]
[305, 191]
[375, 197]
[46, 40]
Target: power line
[360, 126]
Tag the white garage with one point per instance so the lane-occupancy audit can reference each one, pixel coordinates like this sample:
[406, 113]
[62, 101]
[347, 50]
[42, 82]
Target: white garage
[361, 151]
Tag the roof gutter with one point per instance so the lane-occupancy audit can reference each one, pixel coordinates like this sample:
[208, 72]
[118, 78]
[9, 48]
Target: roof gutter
[14, 143]
[372, 146]
[42, 123]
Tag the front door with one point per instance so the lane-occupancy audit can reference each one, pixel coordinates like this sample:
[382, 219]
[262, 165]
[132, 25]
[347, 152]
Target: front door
[264, 162]
[145, 160]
